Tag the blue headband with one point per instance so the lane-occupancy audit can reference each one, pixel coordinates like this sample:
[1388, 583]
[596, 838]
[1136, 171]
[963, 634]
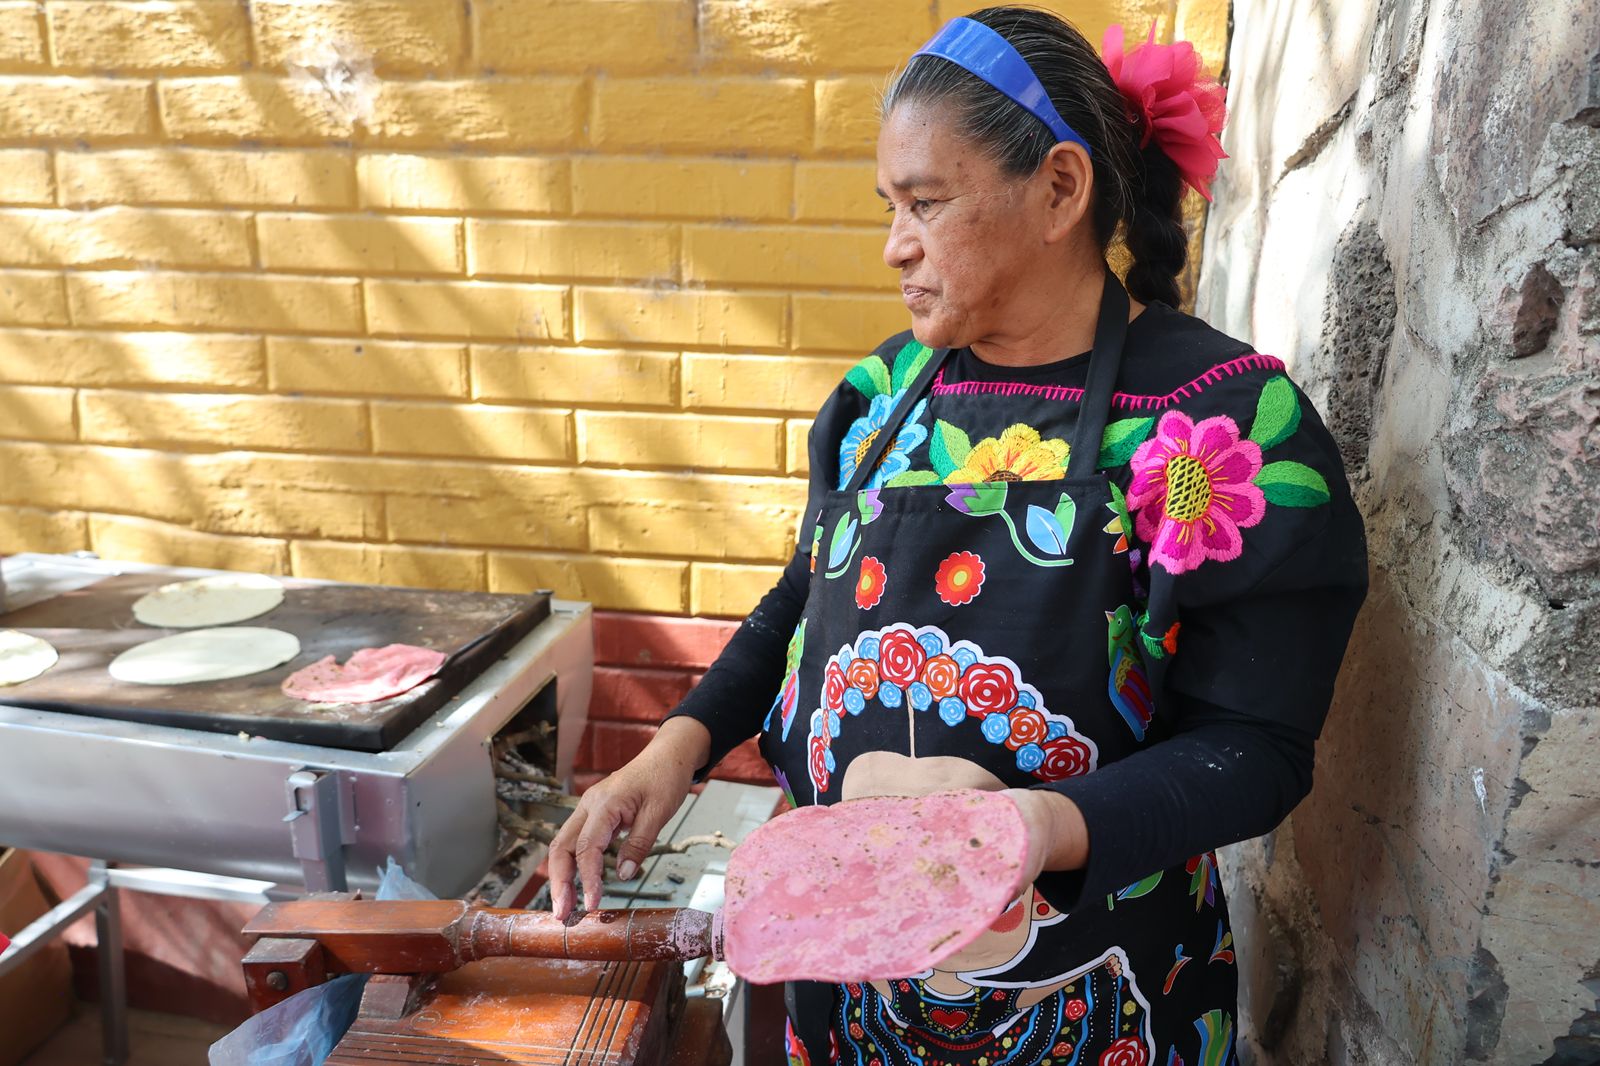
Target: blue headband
[974, 47]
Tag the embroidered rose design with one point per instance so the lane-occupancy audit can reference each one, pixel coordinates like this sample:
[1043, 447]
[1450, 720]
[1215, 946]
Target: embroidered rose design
[1193, 491]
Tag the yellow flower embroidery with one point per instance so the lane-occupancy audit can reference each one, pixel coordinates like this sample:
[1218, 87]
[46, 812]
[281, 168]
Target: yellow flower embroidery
[1016, 455]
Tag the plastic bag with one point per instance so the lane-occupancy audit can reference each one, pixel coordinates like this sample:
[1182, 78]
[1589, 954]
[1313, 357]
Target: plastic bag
[304, 1029]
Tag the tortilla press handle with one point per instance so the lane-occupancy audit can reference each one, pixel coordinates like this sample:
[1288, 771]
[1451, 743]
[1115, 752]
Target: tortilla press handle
[436, 936]
[664, 934]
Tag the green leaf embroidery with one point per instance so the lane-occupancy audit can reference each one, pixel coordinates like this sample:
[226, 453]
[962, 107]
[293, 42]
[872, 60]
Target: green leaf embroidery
[1277, 413]
[870, 377]
[1290, 484]
[912, 477]
[912, 358]
[1122, 439]
[1067, 512]
[949, 448]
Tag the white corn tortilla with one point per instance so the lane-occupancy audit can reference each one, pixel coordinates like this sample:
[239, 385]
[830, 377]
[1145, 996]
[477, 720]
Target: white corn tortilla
[22, 657]
[205, 655]
[219, 600]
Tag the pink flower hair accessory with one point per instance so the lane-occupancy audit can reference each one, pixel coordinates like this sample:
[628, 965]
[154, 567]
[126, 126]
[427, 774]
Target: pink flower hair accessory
[1182, 107]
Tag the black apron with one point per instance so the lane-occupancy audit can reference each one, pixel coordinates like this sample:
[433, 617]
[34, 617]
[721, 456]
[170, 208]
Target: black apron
[992, 622]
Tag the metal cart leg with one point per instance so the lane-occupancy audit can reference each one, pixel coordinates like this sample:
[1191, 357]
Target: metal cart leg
[113, 976]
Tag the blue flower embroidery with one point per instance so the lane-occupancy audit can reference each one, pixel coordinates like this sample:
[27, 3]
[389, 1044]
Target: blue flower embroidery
[863, 432]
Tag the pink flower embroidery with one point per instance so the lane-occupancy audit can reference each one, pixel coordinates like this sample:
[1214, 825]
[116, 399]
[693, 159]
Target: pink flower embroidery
[1192, 491]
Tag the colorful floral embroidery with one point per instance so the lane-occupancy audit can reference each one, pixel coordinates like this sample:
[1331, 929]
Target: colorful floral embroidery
[1162, 646]
[1018, 454]
[883, 385]
[1197, 484]
[863, 434]
[869, 587]
[923, 670]
[1192, 491]
[960, 578]
[1048, 530]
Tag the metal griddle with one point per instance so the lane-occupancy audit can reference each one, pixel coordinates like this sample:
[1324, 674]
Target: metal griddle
[92, 625]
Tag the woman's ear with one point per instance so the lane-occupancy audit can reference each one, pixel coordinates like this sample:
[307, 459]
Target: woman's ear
[1069, 177]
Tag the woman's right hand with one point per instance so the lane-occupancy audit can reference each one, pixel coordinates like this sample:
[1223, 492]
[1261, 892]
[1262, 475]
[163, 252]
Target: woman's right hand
[638, 798]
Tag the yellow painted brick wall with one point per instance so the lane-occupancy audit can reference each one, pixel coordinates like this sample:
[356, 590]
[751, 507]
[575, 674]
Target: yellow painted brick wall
[536, 293]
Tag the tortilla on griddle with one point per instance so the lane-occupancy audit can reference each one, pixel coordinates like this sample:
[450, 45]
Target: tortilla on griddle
[205, 655]
[23, 657]
[218, 600]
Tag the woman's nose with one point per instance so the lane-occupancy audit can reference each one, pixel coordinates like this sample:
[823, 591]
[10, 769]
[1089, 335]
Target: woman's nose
[901, 249]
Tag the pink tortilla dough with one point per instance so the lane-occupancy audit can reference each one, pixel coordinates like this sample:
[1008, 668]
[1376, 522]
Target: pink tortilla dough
[871, 889]
[369, 675]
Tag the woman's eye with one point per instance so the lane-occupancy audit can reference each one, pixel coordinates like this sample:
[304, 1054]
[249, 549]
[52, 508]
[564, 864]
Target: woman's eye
[921, 205]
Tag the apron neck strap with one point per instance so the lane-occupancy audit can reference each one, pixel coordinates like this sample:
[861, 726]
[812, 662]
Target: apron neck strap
[891, 429]
[1104, 363]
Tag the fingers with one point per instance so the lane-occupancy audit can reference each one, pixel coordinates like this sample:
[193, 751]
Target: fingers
[560, 863]
[598, 829]
[641, 838]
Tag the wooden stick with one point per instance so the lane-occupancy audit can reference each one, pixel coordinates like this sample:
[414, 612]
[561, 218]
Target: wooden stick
[435, 936]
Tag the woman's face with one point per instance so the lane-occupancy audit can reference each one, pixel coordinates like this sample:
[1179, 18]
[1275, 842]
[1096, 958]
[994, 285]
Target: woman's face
[966, 237]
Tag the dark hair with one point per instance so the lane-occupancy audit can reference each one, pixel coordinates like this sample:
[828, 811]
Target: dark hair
[1138, 187]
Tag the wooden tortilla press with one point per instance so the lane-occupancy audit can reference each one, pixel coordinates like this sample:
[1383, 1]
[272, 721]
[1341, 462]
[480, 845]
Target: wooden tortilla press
[463, 984]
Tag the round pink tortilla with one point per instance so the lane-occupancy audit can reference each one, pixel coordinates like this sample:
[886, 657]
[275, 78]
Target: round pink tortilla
[871, 889]
[369, 675]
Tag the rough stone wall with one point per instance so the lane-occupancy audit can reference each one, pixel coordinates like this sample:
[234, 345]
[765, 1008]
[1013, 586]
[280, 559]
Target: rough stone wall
[1411, 214]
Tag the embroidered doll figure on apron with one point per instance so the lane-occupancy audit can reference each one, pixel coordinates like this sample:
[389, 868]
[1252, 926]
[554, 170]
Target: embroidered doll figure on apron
[1115, 583]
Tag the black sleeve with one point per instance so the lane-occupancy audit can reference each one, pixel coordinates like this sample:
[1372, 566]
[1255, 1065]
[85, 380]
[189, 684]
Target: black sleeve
[1220, 778]
[734, 695]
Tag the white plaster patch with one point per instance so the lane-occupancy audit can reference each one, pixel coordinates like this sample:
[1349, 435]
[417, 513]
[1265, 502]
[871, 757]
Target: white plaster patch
[340, 74]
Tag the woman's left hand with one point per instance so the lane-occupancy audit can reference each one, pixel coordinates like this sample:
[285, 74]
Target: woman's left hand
[1058, 839]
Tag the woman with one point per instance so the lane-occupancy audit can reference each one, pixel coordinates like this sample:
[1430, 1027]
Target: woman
[1060, 541]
